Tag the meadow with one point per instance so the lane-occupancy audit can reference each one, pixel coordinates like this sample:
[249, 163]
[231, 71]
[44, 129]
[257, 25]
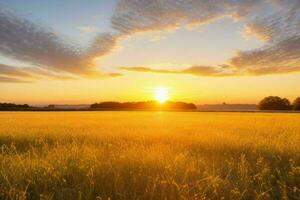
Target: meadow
[149, 155]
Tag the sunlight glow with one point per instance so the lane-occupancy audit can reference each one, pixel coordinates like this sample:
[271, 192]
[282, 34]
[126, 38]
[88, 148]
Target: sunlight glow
[161, 94]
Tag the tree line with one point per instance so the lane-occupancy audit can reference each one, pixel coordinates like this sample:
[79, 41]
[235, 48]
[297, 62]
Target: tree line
[143, 105]
[278, 103]
[12, 106]
[268, 103]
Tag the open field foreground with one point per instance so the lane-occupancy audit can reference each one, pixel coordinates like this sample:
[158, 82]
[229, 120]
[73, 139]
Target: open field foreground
[149, 155]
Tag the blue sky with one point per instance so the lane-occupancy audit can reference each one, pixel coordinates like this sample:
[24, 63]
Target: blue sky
[67, 15]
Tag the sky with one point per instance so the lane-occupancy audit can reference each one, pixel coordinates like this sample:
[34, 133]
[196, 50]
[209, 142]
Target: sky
[201, 51]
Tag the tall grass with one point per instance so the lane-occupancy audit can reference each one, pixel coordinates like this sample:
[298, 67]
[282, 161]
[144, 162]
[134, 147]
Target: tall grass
[149, 155]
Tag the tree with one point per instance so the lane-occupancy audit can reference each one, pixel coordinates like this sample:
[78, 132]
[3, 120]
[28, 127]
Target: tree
[143, 105]
[274, 103]
[296, 104]
[11, 106]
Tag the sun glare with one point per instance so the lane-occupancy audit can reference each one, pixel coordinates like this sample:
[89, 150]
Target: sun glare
[161, 94]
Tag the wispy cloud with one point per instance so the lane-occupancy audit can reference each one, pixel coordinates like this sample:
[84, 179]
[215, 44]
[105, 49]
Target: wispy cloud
[25, 41]
[193, 70]
[217, 71]
[133, 16]
[13, 71]
[32, 43]
[102, 45]
[5, 79]
[31, 74]
[276, 22]
[279, 57]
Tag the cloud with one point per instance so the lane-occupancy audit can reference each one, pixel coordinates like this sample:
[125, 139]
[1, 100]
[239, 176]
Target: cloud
[147, 69]
[134, 16]
[31, 74]
[208, 71]
[279, 57]
[32, 43]
[193, 70]
[276, 22]
[282, 57]
[13, 71]
[217, 71]
[261, 31]
[102, 45]
[4, 79]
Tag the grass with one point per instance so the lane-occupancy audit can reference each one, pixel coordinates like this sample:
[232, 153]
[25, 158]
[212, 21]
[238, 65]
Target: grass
[149, 155]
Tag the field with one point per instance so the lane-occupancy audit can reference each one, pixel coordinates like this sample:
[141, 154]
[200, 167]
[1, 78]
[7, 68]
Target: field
[149, 155]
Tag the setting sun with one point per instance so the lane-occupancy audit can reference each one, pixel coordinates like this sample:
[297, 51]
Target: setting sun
[161, 94]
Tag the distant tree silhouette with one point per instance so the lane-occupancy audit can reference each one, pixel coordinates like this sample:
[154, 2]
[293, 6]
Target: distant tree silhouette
[50, 106]
[12, 107]
[107, 105]
[143, 105]
[274, 103]
[296, 104]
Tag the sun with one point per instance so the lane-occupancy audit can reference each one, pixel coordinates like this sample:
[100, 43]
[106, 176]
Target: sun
[161, 94]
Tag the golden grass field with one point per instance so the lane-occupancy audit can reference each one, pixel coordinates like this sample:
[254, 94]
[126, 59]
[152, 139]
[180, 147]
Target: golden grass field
[149, 155]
